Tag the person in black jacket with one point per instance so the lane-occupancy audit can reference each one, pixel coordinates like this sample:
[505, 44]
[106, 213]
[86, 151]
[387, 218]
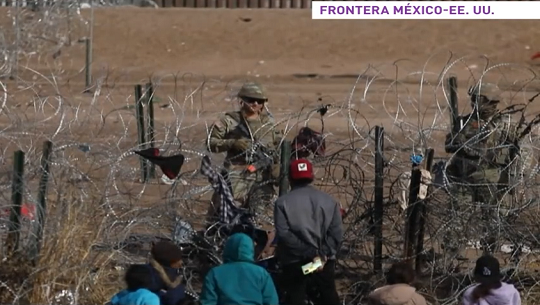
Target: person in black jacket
[166, 277]
[308, 228]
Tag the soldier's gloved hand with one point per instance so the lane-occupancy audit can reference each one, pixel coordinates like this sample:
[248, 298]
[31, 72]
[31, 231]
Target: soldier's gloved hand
[241, 144]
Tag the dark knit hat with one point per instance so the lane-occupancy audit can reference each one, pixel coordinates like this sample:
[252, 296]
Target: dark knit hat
[166, 253]
[487, 269]
[138, 276]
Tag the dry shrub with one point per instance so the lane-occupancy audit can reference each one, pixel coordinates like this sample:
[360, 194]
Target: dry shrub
[68, 271]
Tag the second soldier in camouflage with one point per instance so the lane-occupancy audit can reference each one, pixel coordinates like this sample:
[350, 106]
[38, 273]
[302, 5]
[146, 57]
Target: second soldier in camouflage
[481, 151]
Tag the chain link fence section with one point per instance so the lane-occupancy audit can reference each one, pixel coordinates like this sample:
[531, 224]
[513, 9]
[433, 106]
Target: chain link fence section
[36, 35]
[38, 31]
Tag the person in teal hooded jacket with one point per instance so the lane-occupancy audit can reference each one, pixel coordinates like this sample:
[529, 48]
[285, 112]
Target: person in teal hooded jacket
[239, 281]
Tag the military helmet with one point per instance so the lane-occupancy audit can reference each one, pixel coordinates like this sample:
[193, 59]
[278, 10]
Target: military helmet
[489, 91]
[253, 91]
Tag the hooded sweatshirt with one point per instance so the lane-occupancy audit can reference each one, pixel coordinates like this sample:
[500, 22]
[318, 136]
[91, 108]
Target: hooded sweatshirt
[398, 294]
[138, 297]
[166, 283]
[507, 294]
[239, 281]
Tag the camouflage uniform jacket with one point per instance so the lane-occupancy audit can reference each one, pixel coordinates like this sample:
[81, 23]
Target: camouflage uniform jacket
[232, 126]
[480, 147]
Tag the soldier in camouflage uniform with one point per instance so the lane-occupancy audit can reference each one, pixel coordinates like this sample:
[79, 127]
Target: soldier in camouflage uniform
[236, 133]
[482, 150]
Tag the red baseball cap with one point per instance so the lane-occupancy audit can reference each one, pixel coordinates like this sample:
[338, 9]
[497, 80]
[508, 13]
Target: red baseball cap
[301, 169]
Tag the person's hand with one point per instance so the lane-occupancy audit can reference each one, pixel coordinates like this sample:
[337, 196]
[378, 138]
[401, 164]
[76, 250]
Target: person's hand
[241, 144]
[322, 260]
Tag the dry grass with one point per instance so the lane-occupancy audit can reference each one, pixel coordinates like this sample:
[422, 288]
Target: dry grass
[68, 271]
[67, 261]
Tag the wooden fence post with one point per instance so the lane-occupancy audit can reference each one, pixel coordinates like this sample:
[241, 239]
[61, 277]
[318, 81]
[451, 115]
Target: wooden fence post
[17, 189]
[42, 200]
[139, 113]
[378, 205]
[151, 128]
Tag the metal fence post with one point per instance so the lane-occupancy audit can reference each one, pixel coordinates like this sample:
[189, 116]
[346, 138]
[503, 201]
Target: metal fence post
[422, 214]
[42, 200]
[378, 205]
[150, 130]
[284, 170]
[139, 112]
[88, 65]
[17, 189]
[456, 127]
[411, 222]
[453, 100]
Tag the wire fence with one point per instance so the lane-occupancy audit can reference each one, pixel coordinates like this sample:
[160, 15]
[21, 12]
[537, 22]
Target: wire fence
[100, 217]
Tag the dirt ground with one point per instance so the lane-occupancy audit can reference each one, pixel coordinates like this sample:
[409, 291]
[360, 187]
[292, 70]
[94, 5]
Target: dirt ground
[219, 43]
[388, 73]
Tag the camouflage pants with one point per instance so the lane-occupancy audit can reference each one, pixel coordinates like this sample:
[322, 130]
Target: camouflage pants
[250, 191]
[485, 194]
[480, 192]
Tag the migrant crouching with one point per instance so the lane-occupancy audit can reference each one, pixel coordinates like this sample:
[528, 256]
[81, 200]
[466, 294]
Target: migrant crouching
[239, 281]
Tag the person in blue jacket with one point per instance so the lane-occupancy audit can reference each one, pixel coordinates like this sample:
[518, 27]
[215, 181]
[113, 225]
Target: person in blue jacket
[239, 281]
[166, 276]
[137, 293]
